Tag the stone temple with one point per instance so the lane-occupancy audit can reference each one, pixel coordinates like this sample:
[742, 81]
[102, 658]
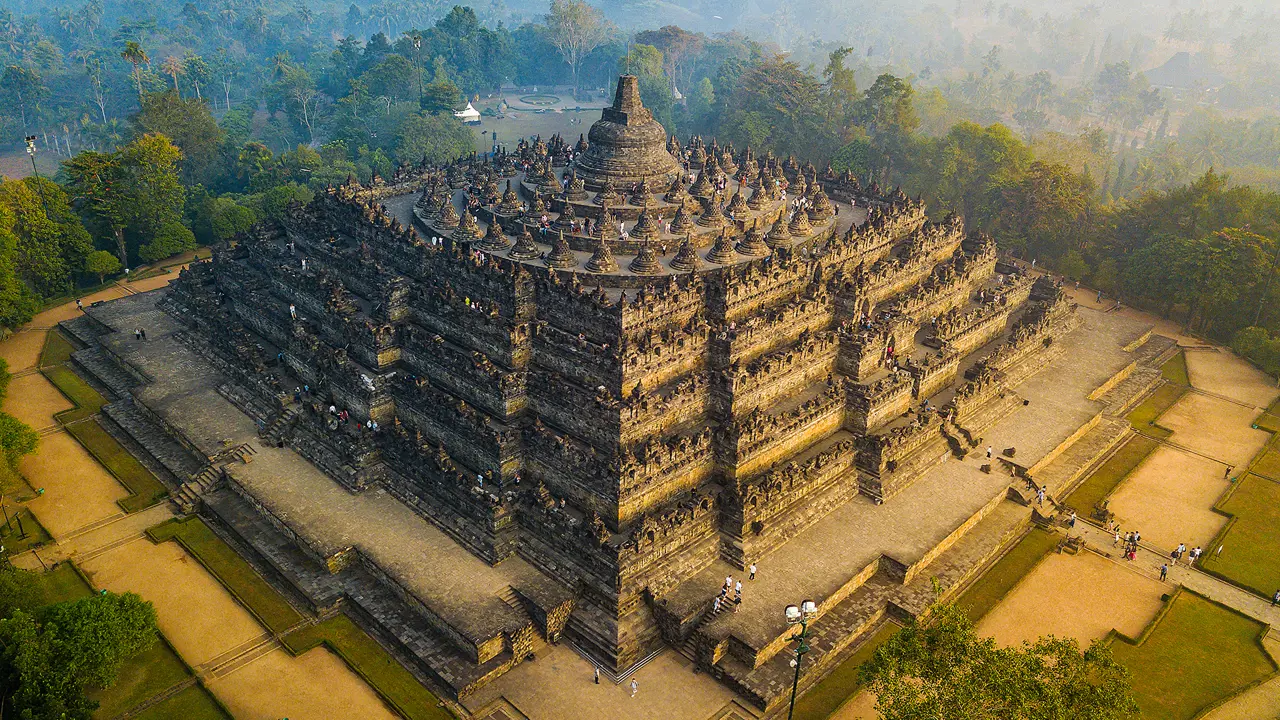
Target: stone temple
[558, 395]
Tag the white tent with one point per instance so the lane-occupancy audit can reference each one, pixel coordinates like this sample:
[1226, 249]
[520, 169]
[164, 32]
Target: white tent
[468, 115]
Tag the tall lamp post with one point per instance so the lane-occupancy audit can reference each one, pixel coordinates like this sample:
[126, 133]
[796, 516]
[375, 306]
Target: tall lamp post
[417, 52]
[31, 151]
[799, 616]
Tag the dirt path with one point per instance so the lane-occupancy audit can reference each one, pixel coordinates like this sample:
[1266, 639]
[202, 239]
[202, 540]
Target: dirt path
[205, 624]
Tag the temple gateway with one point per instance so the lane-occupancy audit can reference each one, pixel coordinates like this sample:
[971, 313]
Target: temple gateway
[562, 394]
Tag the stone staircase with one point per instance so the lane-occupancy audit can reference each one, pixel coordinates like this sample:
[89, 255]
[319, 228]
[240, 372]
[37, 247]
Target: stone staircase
[276, 433]
[158, 443]
[95, 363]
[511, 597]
[189, 494]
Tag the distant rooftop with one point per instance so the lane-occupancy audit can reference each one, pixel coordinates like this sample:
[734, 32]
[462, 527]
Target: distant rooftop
[1186, 71]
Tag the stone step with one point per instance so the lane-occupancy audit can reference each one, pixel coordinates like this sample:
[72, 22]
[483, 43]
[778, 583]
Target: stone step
[82, 328]
[1121, 398]
[158, 443]
[97, 364]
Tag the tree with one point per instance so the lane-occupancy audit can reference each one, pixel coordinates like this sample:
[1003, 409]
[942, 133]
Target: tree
[51, 241]
[888, 115]
[938, 667]
[677, 46]
[51, 657]
[172, 66]
[434, 138]
[227, 218]
[577, 28]
[137, 57]
[190, 125]
[24, 88]
[840, 90]
[102, 264]
[774, 99]
[297, 92]
[197, 70]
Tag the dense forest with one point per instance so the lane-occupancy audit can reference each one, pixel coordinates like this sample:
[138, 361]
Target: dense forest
[174, 127]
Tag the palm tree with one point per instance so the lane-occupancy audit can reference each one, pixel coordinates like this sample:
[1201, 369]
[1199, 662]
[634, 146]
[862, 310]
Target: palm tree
[136, 56]
[172, 67]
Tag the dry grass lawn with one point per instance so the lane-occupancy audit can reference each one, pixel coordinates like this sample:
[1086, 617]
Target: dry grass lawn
[1225, 374]
[34, 400]
[22, 349]
[77, 490]
[1169, 499]
[1049, 601]
[197, 615]
[1215, 427]
[316, 685]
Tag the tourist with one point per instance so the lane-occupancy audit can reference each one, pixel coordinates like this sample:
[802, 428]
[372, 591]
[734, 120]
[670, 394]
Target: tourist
[137, 334]
[1072, 522]
[728, 582]
[79, 305]
[989, 448]
[1117, 542]
[1196, 552]
[737, 588]
[715, 608]
[293, 311]
[634, 687]
[597, 674]
[1164, 572]
[143, 333]
[752, 569]
[1040, 495]
[1275, 599]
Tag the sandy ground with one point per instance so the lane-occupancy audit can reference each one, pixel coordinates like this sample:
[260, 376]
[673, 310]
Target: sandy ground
[1223, 373]
[320, 686]
[22, 350]
[860, 707]
[1215, 427]
[1169, 499]
[34, 400]
[77, 490]
[544, 688]
[194, 611]
[1049, 602]
[1260, 702]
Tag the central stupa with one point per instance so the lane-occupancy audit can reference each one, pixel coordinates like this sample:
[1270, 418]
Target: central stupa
[626, 145]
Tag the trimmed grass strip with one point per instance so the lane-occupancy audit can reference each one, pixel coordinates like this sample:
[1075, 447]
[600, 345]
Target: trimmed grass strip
[1000, 578]
[1143, 418]
[1195, 653]
[194, 703]
[1248, 556]
[57, 349]
[240, 579]
[1111, 473]
[87, 401]
[1175, 370]
[21, 519]
[145, 489]
[1268, 465]
[396, 685]
[823, 699]
[63, 583]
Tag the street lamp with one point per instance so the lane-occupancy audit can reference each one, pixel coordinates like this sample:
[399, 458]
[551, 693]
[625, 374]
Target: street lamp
[417, 52]
[31, 151]
[799, 616]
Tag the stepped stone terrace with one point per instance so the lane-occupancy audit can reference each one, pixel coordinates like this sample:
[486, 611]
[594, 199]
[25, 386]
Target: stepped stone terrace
[558, 395]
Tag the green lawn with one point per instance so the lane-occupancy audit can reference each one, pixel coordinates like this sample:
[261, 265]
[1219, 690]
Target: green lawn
[143, 676]
[194, 703]
[370, 661]
[1000, 578]
[1197, 653]
[63, 583]
[240, 579]
[1249, 555]
[823, 699]
[1109, 475]
[145, 489]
